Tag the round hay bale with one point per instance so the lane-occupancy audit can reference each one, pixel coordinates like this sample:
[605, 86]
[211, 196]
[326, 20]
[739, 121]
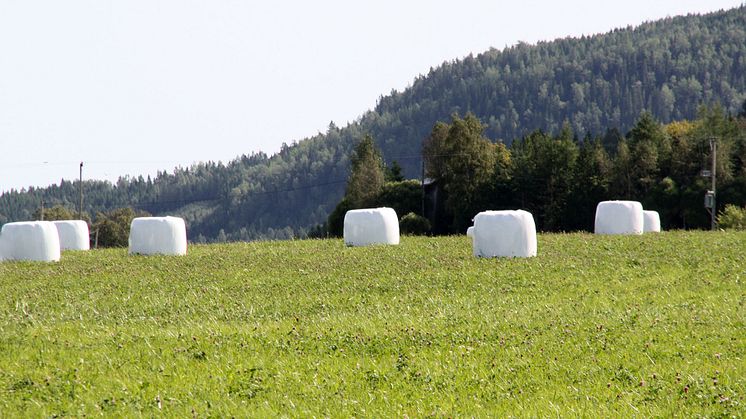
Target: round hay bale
[470, 235]
[651, 222]
[30, 240]
[470, 232]
[73, 234]
[504, 234]
[364, 227]
[619, 217]
[158, 235]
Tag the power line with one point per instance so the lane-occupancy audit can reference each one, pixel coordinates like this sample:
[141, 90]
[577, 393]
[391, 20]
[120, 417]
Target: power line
[277, 191]
[245, 194]
[258, 193]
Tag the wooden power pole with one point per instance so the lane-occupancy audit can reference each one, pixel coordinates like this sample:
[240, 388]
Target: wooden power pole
[713, 212]
[80, 207]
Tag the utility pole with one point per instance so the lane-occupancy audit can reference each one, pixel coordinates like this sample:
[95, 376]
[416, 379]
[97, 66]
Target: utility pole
[710, 201]
[42, 209]
[80, 208]
[422, 182]
[713, 212]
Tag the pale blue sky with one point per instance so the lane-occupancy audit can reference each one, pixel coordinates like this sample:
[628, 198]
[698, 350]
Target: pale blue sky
[136, 86]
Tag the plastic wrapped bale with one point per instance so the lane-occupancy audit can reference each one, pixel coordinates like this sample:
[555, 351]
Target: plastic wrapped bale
[619, 217]
[73, 234]
[504, 234]
[158, 235]
[364, 227]
[470, 235]
[2, 248]
[30, 240]
[651, 222]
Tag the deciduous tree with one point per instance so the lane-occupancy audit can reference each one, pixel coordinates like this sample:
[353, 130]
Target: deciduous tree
[367, 176]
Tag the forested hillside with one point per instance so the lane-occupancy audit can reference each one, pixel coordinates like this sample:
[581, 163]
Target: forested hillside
[596, 84]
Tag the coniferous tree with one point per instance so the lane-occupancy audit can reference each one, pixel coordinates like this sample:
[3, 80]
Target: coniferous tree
[648, 144]
[393, 173]
[621, 180]
[611, 139]
[590, 185]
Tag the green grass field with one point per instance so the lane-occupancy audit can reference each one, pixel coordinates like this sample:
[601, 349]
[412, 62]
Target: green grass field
[593, 326]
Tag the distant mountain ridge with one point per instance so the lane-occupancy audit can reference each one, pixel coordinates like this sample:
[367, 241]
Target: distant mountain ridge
[669, 67]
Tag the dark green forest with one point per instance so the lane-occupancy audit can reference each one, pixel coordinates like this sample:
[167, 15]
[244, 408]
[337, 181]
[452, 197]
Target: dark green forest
[588, 90]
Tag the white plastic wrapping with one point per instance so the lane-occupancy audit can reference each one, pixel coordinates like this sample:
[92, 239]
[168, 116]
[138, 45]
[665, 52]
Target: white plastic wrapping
[470, 235]
[73, 234]
[619, 217]
[158, 235]
[504, 234]
[651, 222]
[30, 240]
[364, 227]
[3, 251]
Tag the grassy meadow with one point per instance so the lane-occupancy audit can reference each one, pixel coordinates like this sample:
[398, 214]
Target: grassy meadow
[593, 326]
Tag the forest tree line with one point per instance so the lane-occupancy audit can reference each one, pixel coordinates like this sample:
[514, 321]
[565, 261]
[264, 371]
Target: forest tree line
[560, 178]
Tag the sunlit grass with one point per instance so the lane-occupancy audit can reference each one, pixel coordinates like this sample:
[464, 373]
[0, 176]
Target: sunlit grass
[594, 325]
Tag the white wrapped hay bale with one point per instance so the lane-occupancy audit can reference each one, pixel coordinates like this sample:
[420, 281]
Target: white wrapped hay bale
[30, 240]
[651, 222]
[619, 217]
[73, 234]
[2, 248]
[158, 235]
[364, 227]
[504, 234]
[470, 235]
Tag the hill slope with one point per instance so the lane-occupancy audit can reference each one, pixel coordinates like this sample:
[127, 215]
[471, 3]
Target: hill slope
[669, 67]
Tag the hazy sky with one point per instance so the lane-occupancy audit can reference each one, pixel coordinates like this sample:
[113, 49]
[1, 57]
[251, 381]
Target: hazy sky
[136, 86]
